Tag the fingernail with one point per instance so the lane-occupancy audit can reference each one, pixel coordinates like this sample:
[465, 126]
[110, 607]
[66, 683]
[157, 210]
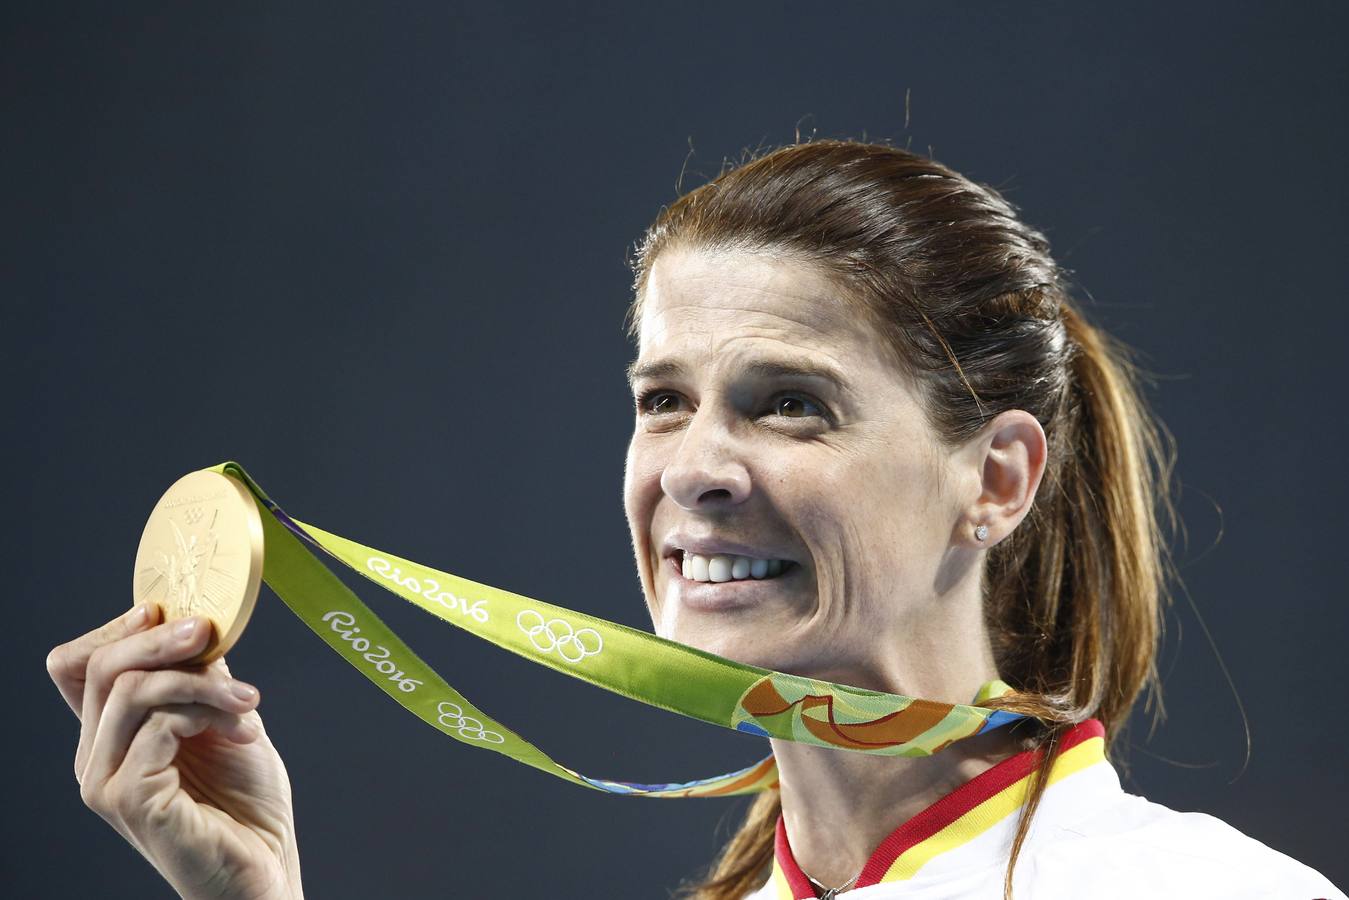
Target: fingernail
[242, 691]
[185, 628]
[137, 617]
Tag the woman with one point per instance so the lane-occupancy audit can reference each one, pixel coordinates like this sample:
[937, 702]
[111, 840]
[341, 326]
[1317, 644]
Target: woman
[875, 443]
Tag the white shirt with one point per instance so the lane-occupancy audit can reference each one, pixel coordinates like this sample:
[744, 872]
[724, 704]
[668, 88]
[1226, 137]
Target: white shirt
[1088, 838]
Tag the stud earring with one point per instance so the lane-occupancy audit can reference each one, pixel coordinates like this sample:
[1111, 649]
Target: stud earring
[981, 532]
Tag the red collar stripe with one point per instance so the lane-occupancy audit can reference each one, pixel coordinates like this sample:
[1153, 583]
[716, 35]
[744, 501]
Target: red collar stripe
[989, 787]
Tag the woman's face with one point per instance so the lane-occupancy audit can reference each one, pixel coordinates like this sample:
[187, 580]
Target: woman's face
[773, 427]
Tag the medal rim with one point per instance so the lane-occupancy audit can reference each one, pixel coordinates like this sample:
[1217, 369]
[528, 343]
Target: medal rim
[219, 643]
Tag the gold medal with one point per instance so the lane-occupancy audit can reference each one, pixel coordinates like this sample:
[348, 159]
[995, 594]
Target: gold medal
[201, 554]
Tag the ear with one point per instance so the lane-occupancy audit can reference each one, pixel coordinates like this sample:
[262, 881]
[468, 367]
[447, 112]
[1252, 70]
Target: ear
[1006, 461]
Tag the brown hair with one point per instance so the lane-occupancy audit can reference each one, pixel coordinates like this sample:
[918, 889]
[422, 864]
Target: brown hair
[972, 306]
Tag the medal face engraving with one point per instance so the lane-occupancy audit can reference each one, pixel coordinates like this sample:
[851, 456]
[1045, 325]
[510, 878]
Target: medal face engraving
[201, 554]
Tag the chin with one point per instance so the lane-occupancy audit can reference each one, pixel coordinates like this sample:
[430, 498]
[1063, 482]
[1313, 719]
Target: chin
[723, 641]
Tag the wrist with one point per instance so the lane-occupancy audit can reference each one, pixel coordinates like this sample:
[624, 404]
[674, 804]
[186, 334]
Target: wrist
[288, 855]
[294, 889]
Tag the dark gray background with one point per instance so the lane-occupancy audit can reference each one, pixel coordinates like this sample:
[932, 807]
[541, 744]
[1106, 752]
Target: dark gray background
[377, 256]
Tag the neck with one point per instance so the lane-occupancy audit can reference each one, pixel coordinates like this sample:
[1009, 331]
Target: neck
[838, 805]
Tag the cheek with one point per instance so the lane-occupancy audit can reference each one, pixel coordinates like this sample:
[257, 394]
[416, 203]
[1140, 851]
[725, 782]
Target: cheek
[634, 465]
[641, 487]
[873, 510]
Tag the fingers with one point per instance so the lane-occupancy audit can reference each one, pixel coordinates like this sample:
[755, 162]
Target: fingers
[208, 699]
[160, 646]
[66, 663]
[147, 769]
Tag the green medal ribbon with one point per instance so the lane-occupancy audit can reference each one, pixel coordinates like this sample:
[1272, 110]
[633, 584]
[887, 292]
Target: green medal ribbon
[642, 666]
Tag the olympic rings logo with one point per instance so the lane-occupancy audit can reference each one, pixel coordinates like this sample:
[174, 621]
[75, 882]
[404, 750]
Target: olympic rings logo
[452, 716]
[558, 634]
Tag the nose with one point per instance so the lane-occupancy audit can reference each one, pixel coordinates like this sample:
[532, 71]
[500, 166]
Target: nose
[706, 469]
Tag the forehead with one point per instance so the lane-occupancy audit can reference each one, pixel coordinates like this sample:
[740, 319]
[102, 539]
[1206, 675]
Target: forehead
[717, 302]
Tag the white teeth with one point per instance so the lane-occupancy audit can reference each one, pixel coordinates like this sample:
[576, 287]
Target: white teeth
[719, 568]
[697, 567]
[724, 567]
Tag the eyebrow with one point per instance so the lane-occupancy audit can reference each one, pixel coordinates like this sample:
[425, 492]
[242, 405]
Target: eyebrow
[797, 367]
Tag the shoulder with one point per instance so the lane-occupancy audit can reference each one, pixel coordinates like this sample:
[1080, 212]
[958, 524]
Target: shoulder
[1140, 845]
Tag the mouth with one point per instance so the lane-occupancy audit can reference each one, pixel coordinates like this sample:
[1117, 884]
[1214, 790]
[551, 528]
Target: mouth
[724, 581]
[724, 568]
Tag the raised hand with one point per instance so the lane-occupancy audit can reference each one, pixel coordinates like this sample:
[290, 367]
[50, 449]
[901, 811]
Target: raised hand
[176, 758]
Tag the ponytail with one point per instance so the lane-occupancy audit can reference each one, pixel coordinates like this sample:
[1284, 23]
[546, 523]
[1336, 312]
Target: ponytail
[1080, 595]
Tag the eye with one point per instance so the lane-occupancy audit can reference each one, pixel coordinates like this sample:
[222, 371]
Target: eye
[665, 402]
[796, 406]
[657, 401]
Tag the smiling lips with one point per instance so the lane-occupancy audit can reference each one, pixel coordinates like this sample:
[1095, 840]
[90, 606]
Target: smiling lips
[721, 567]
